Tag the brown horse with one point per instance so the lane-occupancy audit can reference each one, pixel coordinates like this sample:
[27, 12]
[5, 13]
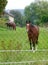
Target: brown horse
[33, 33]
[11, 24]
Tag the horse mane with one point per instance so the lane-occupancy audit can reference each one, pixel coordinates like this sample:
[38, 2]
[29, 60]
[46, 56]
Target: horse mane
[32, 25]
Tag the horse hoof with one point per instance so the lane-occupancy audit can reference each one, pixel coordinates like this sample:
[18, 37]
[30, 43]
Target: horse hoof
[33, 51]
[32, 48]
[36, 49]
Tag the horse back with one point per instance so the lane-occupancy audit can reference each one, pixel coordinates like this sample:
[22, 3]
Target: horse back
[34, 31]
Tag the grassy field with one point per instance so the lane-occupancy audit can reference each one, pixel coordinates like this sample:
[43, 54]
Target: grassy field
[18, 40]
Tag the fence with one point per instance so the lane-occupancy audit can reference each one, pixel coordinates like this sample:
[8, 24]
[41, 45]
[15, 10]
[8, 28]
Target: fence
[14, 47]
[20, 56]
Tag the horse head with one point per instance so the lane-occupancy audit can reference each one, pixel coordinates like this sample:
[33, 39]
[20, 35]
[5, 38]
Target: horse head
[28, 25]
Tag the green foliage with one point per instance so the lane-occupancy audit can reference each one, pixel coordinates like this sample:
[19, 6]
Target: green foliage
[2, 22]
[2, 6]
[37, 12]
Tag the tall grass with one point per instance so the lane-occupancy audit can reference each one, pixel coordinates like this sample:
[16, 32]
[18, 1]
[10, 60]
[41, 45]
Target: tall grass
[18, 40]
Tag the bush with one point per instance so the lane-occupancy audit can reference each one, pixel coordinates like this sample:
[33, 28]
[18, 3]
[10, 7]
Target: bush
[2, 22]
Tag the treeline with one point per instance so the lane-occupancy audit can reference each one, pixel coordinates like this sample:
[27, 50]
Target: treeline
[36, 12]
[2, 6]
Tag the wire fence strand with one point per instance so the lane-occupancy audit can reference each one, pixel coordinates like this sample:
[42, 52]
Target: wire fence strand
[23, 62]
[43, 50]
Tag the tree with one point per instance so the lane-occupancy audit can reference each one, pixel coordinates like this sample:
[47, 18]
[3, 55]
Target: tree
[17, 16]
[2, 6]
[37, 12]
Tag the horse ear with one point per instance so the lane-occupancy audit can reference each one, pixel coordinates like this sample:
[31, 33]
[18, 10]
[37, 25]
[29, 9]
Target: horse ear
[26, 21]
[29, 21]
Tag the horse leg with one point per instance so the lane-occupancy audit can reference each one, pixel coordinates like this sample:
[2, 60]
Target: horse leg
[33, 46]
[36, 43]
[14, 28]
[30, 44]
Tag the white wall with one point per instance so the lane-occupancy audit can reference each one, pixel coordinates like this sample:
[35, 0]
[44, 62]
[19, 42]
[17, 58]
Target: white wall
[11, 19]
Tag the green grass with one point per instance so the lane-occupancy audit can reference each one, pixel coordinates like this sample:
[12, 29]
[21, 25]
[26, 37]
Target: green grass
[18, 40]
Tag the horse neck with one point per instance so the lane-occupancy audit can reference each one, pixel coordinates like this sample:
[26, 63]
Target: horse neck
[31, 26]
